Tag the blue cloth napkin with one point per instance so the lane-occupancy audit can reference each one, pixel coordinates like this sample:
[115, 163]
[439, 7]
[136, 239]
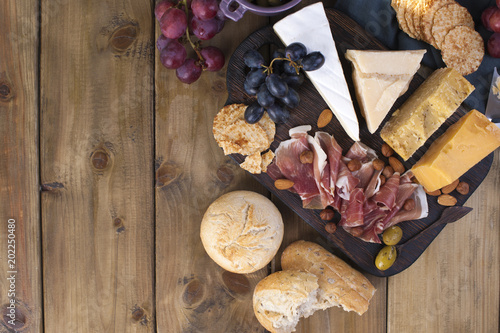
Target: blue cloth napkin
[378, 18]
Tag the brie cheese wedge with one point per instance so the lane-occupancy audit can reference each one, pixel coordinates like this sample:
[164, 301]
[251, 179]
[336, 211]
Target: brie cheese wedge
[380, 77]
[310, 27]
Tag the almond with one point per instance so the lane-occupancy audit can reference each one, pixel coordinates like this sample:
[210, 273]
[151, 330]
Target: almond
[449, 188]
[283, 184]
[463, 188]
[378, 164]
[433, 193]
[382, 180]
[409, 204]
[447, 200]
[388, 171]
[306, 157]
[324, 118]
[387, 150]
[396, 165]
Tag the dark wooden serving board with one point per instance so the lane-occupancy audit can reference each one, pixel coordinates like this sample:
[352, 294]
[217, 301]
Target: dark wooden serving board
[347, 35]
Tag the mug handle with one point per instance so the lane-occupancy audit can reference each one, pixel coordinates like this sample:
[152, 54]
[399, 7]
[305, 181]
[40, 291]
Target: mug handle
[233, 15]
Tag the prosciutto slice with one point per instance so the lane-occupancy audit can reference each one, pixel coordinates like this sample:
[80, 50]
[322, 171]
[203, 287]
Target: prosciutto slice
[352, 210]
[386, 196]
[287, 159]
[420, 211]
[334, 154]
[321, 176]
[346, 181]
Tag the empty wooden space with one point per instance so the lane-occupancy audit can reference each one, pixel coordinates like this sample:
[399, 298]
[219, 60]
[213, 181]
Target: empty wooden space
[108, 163]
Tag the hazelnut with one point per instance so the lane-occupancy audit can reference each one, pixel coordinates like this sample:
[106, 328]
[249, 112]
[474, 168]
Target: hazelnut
[409, 204]
[378, 164]
[356, 231]
[330, 227]
[354, 165]
[388, 171]
[463, 188]
[327, 214]
[396, 165]
[306, 157]
[382, 180]
[387, 150]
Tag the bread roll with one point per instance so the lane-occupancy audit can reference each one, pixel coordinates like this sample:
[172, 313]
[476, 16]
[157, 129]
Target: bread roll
[339, 283]
[282, 298]
[242, 231]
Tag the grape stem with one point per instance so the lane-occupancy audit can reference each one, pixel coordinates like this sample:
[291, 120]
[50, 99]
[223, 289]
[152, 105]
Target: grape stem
[269, 68]
[193, 45]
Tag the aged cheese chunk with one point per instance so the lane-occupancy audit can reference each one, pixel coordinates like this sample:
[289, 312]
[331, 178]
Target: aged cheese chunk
[310, 27]
[386, 62]
[380, 77]
[425, 110]
[463, 145]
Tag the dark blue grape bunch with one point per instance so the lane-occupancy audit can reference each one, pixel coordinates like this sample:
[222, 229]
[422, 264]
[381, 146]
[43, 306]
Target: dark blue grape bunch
[275, 85]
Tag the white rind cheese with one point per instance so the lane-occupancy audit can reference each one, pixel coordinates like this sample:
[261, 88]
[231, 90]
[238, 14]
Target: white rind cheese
[386, 62]
[310, 27]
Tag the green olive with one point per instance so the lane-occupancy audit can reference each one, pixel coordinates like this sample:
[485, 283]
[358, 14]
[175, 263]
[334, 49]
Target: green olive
[386, 257]
[392, 235]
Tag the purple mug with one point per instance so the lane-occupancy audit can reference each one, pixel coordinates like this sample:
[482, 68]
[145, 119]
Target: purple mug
[243, 6]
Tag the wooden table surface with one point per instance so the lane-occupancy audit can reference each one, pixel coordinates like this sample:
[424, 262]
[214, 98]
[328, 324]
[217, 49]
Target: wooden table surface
[107, 164]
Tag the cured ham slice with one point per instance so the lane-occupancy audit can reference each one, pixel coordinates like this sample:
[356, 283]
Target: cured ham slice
[420, 211]
[334, 154]
[287, 160]
[321, 175]
[352, 209]
[386, 196]
[346, 181]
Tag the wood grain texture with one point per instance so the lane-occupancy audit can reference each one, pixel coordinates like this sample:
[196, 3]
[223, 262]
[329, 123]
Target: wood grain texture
[19, 186]
[97, 166]
[193, 293]
[333, 319]
[347, 35]
[460, 269]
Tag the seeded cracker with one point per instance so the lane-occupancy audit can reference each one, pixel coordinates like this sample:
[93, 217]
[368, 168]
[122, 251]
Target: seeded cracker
[234, 135]
[448, 17]
[428, 17]
[463, 49]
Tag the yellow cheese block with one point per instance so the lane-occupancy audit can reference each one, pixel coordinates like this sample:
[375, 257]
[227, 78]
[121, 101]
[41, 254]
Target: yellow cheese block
[425, 110]
[463, 145]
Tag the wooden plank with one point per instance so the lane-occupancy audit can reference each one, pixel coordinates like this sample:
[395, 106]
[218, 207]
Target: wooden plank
[454, 286]
[97, 166]
[193, 293]
[19, 186]
[333, 319]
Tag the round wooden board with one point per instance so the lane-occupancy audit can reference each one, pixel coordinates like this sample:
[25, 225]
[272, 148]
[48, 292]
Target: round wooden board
[347, 35]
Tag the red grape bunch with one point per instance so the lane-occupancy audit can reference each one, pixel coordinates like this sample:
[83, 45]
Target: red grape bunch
[491, 21]
[180, 20]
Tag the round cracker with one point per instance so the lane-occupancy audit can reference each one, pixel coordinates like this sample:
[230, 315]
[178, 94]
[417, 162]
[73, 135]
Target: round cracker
[420, 8]
[448, 17]
[400, 14]
[463, 49]
[428, 17]
[409, 14]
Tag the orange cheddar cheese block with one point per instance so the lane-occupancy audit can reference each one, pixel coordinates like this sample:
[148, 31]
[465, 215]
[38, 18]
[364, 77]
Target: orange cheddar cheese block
[462, 146]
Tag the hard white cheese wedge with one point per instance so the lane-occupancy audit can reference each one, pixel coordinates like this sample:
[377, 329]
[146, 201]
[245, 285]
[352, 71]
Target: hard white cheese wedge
[386, 62]
[310, 27]
[380, 77]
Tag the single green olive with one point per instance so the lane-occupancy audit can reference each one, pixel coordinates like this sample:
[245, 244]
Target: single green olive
[392, 235]
[386, 257]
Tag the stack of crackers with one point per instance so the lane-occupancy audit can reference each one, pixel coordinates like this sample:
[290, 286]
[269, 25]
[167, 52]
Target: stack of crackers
[235, 136]
[447, 26]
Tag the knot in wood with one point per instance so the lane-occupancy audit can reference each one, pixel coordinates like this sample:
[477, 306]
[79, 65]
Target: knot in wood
[225, 174]
[137, 313]
[236, 283]
[5, 92]
[14, 316]
[166, 174]
[193, 293]
[100, 159]
[123, 37]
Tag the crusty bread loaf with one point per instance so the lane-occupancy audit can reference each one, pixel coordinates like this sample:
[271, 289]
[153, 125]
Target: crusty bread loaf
[282, 298]
[339, 283]
[242, 231]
